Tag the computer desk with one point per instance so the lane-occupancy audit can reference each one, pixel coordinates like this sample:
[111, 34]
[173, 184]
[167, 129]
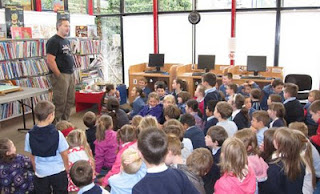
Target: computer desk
[137, 72]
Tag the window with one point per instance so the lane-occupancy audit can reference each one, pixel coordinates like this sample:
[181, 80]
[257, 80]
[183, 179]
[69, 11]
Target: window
[106, 6]
[46, 4]
[300, 3]
[175, 5]
[226, 4]
[135, 6]
[77, 6]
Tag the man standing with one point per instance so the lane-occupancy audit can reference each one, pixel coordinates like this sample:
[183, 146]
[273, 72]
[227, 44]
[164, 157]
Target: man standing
[61, 63]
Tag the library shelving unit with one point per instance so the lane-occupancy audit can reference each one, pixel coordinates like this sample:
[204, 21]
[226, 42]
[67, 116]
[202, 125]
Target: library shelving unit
[23, 63]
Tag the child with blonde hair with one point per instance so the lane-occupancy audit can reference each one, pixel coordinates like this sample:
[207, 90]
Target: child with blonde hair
[259, 166]
[277, 113]
[79, 150]
[16, 173]
[237, 176]
[136, 121]
[286, 170]
[65, 127]
[147, 122]
[127, 138]
[153, 108]
[168, 100]
[132, 171]
[106, 145]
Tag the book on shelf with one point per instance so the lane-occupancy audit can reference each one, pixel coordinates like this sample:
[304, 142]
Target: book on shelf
[21, 32]
[92, 31]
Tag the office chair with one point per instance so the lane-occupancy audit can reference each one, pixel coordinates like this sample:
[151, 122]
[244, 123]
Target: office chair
[304, 82]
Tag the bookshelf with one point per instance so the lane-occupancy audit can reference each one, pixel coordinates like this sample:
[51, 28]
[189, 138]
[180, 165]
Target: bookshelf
[23, 63]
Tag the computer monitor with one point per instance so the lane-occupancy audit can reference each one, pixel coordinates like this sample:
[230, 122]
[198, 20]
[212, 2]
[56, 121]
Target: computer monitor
[206, 62]
[257, 64]
[156, 60]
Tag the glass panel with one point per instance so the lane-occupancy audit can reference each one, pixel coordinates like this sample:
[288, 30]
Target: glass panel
[175, 5]
[25, 3]
[226, 4]
[111, 48]
[46, 4]
[135, 6]
[77, 6]
[299, 44]
[106, 6]
[300, 3]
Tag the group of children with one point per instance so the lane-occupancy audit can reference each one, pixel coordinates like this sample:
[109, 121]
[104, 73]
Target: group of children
[224, 140]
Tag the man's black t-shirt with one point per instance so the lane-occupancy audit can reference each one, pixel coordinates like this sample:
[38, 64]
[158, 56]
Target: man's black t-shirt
[60, 48]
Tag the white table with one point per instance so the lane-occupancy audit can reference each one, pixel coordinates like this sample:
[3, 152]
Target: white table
[20, 96]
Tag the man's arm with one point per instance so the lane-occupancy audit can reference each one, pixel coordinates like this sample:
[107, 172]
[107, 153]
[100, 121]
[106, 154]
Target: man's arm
[53, 65]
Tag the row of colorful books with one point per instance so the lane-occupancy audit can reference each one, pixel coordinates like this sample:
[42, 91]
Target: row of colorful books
[81, 62]
[21, 49]
[23, 68]
[85, 46]
[34, 82]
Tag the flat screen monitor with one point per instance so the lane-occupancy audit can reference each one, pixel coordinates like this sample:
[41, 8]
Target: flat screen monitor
[257, 64]
[156, 60]
[206, 62]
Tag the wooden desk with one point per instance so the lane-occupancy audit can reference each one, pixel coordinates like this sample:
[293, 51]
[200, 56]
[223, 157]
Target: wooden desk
[185, 72]
[136, 72]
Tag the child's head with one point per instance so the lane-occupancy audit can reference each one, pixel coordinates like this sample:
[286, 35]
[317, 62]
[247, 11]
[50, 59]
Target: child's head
[247, 102]
[273, 98]
[200, 161]
[233, 157]
[199, 93]
[7, 150]
[268, 147]
[179, 84]
[314, 95]
[153, 145]
[277, 86]
[153, 99]
[290, 90]
[77, 138]
[300, 126]
[215, 137]
[237, 102]
[209, 80]
[174, 148]
[168, 100]
[231, 89]
[288, 148]
[143, 82]
[223, 110]
[227, 78]
[260, 119]
[276, 110]
[137, 91]
[187, 120]
[177, 130]
[160, 88]
[62, 125]
[183, 97]
[135, 163]
[315, 110]
[192, 105]
[173, 122]
[104, 123]
[171, 112]
[256, 94]
[127, 133]
[81, 173]
[136, 121]
[211, 105]
[89, 119]
[147, 122]
[113, 104]
[249, 139]
[44, 111]
[110, 89]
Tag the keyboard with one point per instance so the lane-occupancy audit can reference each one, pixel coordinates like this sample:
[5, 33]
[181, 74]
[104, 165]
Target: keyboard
[197, 73]
[252, 77]
[152, 71]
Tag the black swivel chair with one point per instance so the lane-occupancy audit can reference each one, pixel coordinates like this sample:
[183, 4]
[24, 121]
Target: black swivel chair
[304, 82]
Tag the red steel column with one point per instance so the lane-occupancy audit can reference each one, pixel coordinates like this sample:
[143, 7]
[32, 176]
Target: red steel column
[155, 27]
[90, 7]
[38, 5]
[233, 28]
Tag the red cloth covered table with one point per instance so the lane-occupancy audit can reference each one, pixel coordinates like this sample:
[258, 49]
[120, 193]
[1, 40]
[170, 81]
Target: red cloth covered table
[86, 100]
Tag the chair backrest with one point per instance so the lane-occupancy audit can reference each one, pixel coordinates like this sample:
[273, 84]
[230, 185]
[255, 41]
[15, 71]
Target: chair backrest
[303, 81]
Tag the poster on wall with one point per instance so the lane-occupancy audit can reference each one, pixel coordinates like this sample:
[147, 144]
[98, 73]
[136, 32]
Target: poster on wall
[58, 5]
[14, 17]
